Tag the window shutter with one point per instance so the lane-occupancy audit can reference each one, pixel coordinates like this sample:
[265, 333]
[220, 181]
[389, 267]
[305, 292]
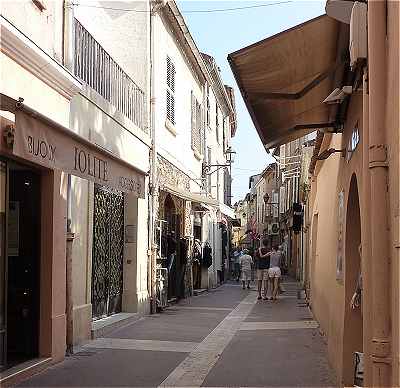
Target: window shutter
[193, 119]
[170, 107]
[198, 128]
[170, 74]
[170, 90]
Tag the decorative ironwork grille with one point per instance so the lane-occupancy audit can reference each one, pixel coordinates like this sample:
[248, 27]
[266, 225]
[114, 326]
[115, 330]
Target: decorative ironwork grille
[108, 246]
[95, 66]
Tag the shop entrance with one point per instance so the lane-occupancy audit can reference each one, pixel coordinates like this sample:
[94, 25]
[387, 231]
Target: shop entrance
[174, 260]
[19, 263]
[108, 252]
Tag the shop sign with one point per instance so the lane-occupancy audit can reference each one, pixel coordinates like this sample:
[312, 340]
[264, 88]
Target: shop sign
[55, 148]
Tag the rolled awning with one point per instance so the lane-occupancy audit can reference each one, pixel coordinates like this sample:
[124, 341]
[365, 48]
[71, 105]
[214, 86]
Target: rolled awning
[202, 199]
[226, 210]
[285, 78]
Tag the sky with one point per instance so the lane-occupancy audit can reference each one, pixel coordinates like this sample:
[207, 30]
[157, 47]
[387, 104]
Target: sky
[220, 33]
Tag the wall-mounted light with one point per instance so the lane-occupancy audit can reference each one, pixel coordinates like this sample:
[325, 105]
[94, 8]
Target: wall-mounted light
[230, 158]
[328, 152]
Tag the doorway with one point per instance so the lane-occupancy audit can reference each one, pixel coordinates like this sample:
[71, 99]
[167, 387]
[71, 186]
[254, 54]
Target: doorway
[108, 252]
[353, 322]
[20, 263]
[174, 248]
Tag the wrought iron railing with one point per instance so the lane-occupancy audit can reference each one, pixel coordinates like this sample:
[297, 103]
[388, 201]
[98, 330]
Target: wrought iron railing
[95, 66]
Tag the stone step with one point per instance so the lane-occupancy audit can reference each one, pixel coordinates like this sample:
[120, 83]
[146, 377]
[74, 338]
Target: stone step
[104, 326]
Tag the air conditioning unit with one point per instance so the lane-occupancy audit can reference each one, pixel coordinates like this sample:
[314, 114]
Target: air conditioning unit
[358, 34]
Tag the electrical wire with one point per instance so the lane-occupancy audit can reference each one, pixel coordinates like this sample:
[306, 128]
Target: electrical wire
[237, 8]
[187, 12]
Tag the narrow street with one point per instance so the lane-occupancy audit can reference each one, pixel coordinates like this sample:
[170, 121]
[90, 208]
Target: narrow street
[221, 338]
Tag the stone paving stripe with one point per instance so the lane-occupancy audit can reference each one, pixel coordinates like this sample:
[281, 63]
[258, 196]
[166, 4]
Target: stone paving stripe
[133, 344]
[203, 308]
[294, 325]
[193, 370]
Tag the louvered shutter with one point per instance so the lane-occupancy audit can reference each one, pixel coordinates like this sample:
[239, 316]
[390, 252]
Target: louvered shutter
[193, 119]
[170, 90]
[198, 127]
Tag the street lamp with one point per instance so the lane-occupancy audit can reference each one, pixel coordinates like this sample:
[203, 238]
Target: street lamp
[230, 158]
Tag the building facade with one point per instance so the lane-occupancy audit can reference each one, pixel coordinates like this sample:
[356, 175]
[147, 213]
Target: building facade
[193, 125]
[110, 140]
[109, 251]
[351, 217]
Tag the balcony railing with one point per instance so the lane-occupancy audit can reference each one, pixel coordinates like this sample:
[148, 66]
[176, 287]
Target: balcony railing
[95, 66]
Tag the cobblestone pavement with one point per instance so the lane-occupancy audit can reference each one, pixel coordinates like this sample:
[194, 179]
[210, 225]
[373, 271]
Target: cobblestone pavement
[225, 337]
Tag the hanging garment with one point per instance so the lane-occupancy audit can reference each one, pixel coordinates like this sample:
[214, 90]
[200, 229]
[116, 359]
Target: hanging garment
[207, 255]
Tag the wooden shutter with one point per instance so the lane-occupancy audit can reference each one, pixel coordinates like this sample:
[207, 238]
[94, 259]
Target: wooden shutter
[193, 119]
[170, 90]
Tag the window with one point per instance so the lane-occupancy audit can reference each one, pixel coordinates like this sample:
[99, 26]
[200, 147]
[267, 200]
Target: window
[197, 130]
[170, 90]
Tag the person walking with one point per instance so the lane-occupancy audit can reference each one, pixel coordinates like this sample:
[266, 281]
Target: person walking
[246, 261]
[236, 264]
[262, 259]
[274, 271]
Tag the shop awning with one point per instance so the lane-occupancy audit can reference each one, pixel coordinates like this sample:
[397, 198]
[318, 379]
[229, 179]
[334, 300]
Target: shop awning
[226, 210]
[285, 78]
[194, 197]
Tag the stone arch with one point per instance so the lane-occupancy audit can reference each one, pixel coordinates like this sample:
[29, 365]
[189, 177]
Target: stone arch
[353, 322]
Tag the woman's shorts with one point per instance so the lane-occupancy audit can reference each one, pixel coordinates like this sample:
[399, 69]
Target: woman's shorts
[262, 274]
[246, 275]
[274, 272]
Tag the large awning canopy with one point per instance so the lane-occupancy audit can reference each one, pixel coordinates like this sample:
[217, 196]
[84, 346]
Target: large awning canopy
[285, 78]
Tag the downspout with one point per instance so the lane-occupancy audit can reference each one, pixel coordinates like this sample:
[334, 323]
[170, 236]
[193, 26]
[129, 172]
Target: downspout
[68, 62]
[152, 253]
[378, 167]
[365, 238]
[153, 171]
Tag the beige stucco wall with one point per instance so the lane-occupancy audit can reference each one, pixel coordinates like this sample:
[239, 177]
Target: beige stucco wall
[393, 136]
[334, 174]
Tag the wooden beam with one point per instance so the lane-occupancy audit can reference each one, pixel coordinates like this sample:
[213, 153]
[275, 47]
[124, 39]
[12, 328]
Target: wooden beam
[260, 97]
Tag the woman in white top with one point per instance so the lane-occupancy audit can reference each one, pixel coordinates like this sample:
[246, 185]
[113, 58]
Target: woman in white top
[274, 271]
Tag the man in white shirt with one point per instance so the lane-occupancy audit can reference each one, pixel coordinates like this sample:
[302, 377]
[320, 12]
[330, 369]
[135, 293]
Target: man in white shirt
[246, 261]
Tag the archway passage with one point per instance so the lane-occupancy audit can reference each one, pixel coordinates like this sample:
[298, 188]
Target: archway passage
[353, 322]
[175, 263]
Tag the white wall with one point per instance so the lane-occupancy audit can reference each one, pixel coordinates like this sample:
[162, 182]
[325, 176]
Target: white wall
[175, 144]
[42, 27]
[123, 34]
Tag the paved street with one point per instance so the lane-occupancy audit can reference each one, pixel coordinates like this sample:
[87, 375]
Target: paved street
[222, 338]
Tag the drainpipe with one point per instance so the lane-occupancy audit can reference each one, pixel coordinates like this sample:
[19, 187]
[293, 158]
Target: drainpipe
[378, 167]
[156, 6]
[68, 62]
[153, 169]
[365, 238]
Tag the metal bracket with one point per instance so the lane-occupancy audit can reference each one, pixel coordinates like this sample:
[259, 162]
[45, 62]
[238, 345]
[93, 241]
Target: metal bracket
[9, 135]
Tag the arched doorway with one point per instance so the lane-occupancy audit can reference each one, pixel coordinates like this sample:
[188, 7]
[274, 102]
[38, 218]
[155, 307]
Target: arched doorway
[173, 245]
[353, 323]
